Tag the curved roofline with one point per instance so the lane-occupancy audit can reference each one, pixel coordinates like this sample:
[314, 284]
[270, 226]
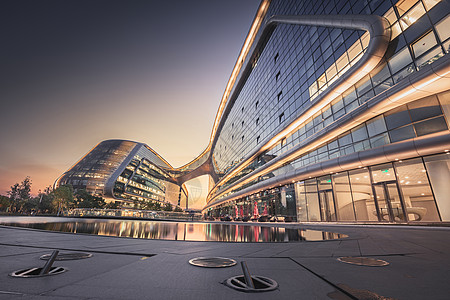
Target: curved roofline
[379, 33]
[251, 35]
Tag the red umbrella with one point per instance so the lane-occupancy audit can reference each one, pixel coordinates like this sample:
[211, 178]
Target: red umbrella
[236, 212]
[265, 210]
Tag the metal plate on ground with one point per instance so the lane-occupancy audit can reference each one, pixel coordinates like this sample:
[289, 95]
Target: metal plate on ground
[36, 272]
[68, 256]
[212, 262]
[261, 284]
[363, 261]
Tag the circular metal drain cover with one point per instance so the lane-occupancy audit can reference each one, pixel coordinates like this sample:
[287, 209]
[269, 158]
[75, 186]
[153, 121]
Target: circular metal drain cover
[212, 262]
[36, 272]
[262, 284]
[363, 261]
[67, 256]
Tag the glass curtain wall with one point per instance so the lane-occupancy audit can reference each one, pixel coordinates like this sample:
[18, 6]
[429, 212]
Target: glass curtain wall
[413, 190]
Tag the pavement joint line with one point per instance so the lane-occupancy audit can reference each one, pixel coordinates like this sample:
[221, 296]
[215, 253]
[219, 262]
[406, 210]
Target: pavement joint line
[324, 279]
[71, 249]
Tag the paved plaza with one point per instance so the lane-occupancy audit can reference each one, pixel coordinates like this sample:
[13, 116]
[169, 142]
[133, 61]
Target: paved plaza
[127, 268]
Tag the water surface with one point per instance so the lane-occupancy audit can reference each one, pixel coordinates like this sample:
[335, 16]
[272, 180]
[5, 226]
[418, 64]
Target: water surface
[177, 231]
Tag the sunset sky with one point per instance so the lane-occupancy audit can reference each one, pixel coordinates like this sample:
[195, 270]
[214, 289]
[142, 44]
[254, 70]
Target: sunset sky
[76, 72]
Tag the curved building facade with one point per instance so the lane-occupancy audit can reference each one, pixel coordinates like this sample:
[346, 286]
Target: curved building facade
[126, 172]
[335, 111]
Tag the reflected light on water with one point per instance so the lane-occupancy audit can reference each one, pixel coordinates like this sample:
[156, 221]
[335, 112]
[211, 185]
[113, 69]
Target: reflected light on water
[181, 231]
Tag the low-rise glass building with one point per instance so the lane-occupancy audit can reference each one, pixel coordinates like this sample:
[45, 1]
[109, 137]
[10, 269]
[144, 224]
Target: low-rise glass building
[126, 172]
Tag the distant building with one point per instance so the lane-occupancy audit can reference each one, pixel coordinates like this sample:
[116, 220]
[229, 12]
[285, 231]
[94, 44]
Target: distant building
[125, 172]
[336, 111]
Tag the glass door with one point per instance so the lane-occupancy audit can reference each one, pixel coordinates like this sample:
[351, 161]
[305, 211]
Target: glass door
[327, 207]
[390, 205]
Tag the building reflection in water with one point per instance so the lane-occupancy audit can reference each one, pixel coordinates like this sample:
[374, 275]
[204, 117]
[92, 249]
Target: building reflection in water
[180, 231]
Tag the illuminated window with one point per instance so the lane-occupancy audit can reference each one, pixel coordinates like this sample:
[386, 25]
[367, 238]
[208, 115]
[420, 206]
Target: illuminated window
[412, 16]
[443, 28]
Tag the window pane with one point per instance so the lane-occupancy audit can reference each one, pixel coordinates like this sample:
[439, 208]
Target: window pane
[359, 133]
[430, 126]
[301, 202]
[379, 140]
[397, 117]
[443, 29]
[362, 195]
[438, 168]
[376, 126]
[424, 109]
[404, 5]
[424, 44]
[416, 191]
[313, 200]
[402, 133]
[400, 60]
[412, 16]
[344, 201]
[382, 173]
[429, 4]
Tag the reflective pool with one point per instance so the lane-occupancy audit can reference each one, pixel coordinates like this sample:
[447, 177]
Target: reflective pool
[176, 231]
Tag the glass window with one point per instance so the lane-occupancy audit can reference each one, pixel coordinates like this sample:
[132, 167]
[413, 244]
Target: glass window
[343, 197]
[359, 133]
[412, 16]
[302, 214]
[417, 196]
[430, 126]
[438, 168]
[382, 173]
[429, 4]
[397, 117]
[379, 140]
[313, 200]
[443, 28]
[429, 57]
[400, 60]
[425, 43]
[345, 140]
[402, 133]
[425, 108]
[362, 195]
[324, 183]
[404, 5]
[376, 126]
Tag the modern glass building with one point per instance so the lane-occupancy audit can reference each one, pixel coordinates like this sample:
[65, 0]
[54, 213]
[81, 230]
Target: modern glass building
[126, 172]
[335, 111]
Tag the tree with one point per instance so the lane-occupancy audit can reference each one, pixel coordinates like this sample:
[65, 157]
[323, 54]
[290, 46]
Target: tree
[4, 202]
[167, 206]
[178, 209]
[63, 197]
[85, 200]
[20, 194]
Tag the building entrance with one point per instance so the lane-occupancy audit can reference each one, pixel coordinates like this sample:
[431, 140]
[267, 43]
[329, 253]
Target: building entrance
[327, 206]
[389, 203]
